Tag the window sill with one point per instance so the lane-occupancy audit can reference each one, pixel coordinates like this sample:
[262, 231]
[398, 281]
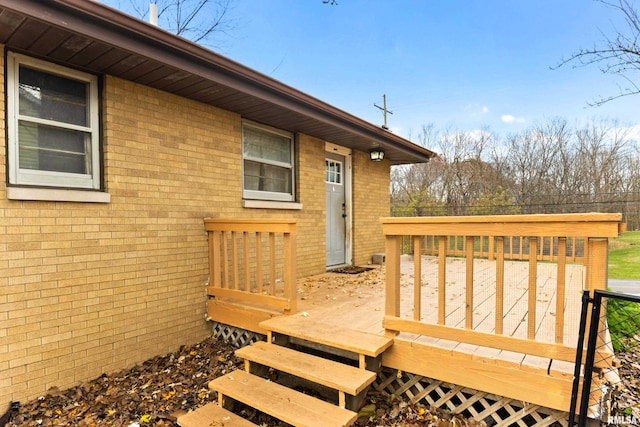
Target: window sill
[57, 195]
[266, 204]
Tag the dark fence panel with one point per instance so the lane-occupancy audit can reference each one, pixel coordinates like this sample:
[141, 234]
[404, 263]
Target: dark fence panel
[610, 389]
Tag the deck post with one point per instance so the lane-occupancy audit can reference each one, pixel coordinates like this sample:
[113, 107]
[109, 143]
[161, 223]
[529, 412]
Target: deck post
[392, 278]
[597, 270]
[597, 264]
[290, 289]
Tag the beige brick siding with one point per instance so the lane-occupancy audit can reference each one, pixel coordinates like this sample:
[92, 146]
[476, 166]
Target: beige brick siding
[371, 201]
[311, 223]
[91, 288]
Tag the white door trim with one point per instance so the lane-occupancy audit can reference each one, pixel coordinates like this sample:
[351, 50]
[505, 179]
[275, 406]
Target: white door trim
[346, 152]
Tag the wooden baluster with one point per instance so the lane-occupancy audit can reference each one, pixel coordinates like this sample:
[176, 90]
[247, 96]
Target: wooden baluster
[259, 278]
[499, 285]
[469, 283]
[234, 260]
[225, 259]
[492, 248]
[214, 258]
[560, 288]
[272, 263]
[246, 280]
[533, 288]
[417, 278]
[521, 246]
[442, 279]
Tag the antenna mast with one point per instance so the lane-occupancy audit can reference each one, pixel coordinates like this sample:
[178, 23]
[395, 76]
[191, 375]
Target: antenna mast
[384, 110]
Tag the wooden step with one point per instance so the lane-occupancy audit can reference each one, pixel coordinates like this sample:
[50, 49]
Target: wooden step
[280, 402]
[212, 415]
[332, 374]
[310, 329]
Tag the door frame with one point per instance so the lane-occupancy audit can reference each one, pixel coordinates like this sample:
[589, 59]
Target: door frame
[348, 244]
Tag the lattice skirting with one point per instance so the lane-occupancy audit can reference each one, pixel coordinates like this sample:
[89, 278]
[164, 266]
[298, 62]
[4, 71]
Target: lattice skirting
[235, 336]
[494, 410]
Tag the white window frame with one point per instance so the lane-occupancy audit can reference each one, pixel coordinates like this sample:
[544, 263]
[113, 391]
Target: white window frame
[339, 175]
[28, 177]
[270, 195]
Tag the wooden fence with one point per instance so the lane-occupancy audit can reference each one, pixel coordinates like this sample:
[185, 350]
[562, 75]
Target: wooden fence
[253, 261]
[594, 228]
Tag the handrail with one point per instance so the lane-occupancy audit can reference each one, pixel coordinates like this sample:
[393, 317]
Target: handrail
[595, 228]
[253, 261]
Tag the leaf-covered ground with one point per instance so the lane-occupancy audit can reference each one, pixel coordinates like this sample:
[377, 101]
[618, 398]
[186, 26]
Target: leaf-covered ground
[152, 394]
[626, 394]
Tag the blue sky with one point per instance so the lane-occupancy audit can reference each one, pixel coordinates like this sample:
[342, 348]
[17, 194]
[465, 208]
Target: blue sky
[461, 65]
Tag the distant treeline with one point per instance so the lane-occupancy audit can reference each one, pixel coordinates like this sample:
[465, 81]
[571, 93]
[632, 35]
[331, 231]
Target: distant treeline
[551, 167]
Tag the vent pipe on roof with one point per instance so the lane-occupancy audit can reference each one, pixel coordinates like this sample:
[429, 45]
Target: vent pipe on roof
[153, 14]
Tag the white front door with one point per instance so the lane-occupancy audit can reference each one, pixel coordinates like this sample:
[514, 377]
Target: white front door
[335, 179]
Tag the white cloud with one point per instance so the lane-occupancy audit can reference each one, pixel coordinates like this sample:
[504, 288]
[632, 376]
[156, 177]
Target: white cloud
[485, 109]
[508, 118]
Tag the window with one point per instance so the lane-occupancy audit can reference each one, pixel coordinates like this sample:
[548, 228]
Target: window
[53, 125]
[268, 163]
[333, 171]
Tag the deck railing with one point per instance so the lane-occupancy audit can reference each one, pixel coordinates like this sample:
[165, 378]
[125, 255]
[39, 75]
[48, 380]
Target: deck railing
[515, 247]
[594, 228]
[253, 261]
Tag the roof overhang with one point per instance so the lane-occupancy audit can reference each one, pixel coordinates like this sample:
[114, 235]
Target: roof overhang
[93, 37]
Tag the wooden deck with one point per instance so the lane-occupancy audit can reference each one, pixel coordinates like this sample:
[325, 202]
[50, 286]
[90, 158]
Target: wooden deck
[357, 302]
[468, 315]
[358, 299]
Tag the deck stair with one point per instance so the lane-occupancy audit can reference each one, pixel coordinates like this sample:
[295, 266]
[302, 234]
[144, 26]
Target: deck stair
[336, 365]
[212, 415]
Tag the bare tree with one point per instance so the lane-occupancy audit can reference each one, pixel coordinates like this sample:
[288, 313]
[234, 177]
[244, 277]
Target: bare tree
[201, 21]
[549, 168]
[537, 160]
[618, 54]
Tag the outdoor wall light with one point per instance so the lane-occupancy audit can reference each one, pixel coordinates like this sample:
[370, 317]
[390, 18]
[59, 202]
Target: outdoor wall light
[377, 155]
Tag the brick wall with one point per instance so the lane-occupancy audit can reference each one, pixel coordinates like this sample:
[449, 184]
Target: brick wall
[371, 201]
[91, 288]
[311, 224]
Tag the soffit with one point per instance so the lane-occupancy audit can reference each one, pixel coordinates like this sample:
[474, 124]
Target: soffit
[95, 38]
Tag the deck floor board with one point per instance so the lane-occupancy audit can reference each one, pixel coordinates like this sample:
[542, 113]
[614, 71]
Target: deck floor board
[357, 302]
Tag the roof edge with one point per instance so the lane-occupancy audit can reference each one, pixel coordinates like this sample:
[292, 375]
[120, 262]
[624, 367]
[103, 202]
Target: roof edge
[197, 54]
